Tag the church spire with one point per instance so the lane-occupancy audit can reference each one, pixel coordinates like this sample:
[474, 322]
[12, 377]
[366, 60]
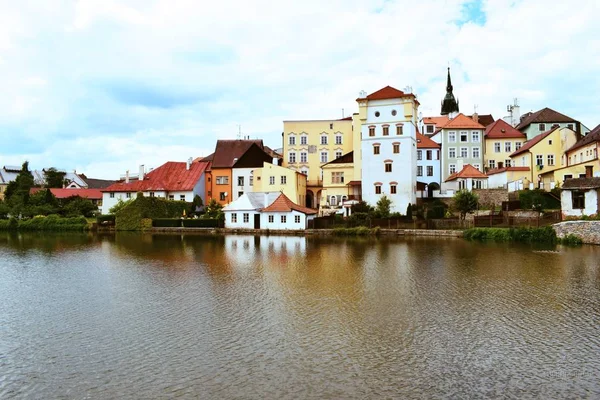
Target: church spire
[449, 104]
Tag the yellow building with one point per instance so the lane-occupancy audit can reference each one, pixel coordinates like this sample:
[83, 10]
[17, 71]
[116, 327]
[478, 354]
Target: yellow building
[501, 140]
[544, 153]
[273, 178]
[307, 145]
[339, 183]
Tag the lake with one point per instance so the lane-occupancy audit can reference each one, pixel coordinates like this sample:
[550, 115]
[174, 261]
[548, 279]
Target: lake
[243, 317]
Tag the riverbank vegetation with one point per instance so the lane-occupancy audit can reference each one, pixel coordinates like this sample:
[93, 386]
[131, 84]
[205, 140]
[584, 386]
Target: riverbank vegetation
[359, 231]
[545, 235]
[46, 223]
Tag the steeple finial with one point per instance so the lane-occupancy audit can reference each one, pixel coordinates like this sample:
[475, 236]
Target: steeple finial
[449, 83]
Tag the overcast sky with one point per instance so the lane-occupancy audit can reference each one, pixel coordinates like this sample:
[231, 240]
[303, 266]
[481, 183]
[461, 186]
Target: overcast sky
[102, 86]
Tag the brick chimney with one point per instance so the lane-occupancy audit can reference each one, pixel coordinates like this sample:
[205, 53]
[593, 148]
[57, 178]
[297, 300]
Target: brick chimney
[476, 117]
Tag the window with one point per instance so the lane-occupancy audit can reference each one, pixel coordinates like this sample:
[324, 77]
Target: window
[507, 163]
[394, 112]
[128, 195]
[393, 189]
[377, 113]
[429, 170]
[338, 139]
[476, 152]
[371, 131]
[171, 197]
[234, 218]
[222, 196]
[550, 141]
[283, 219]
[337, 177]
[464, 137]
[297, 219]
[386, 130]
[240, 181]
[271, 219]
[251, 180]
[492, 164]
[182, 197]
[303, 139]
[437, 154]
[271, 180]
[330, 126]
[283, 180]
[388, 167]
[419, 170]
[429, 154]
[324, 156]
[477, 167]
[451, 152]
[396, 148]
[578, 197]
[464, 152]
[399, 129]
[303, 157]
[565, 177]
[292, 140]
[497, 147]
[475, 137]
[151, 194]
[542, 127]
[338, 154]
[523, 161]
[240, 194]
[333, 200]
[304, 171]
[246, 218]
[452, 169]
[518, 145]
[452, 137]
[508, 147]
[419, 154]
[323, 139]
[222, 180]
[551, 159]
[376, 149]
[430, 128]
[539, 159]
[112, 195]
[377, 189]
[570, 126]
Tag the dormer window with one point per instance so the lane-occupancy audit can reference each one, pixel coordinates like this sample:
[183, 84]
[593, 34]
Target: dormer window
[430, 128]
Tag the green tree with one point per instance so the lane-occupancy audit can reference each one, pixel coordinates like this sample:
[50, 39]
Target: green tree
[383, 207]
[78, 206]
[119, 206]
[361, 207]
[409, 210]
[54, 178]
[214, 210]
[465, 202]
[18, 190]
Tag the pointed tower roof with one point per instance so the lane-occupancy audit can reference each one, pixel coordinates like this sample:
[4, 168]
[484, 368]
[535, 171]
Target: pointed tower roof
[449, 104]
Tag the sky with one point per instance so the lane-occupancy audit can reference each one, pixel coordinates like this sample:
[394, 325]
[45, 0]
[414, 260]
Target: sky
[102, 86]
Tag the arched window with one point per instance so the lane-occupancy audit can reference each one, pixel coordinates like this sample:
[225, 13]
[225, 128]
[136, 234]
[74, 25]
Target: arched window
[333, 200]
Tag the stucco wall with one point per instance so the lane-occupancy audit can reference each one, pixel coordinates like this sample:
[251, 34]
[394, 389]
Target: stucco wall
[588, 231]
[591, 204]
[488, 196]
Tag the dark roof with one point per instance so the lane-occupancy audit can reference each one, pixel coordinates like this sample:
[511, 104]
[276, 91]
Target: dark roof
[449, 103]
[484, 119]
[502, 130]
[345, 159]
[545, 115]
[171, 176]
[97, 183]
[582, 183]
[227, 151]
[254, 157]
[529, 144]
[591, 137]
[272, 152]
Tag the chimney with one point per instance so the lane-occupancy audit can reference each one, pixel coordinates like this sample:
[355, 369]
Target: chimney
[188, 164]
[141, 175]
[127, 176]
[266, 199]
[475, 117]
[589, 171]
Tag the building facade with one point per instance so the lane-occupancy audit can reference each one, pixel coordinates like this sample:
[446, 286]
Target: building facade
[273, 178]
[501, 140]
[428, 162]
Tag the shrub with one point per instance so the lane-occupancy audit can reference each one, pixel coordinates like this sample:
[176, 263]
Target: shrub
[409, 210]
[571, 240]
[383, 207]
[201, 223]
[166, 222]
[545, 235]
[359, 231]
[465, 202]
[358, 219]
[105, 218]
[436, 210]
[129, 218]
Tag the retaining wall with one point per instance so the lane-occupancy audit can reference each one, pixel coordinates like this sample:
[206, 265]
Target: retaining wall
[588, 231]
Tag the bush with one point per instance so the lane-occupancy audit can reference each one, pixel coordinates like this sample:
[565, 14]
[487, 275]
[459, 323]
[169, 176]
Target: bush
[465, 202]
[360, 231]
[166, 222]
[538, 199]
[358, 219]
[545, 235]
[201, 223]
[105, 218]
[129, 218]
[436, 210]
[571, 240]
[49, 223]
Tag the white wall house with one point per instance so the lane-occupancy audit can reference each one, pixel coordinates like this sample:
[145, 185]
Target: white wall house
[389, 147]
[243, 181]
[428, 161]
[579, 197]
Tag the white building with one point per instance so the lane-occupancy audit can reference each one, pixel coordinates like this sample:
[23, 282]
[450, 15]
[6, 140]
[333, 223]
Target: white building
[267, 210]
[428, 162]
[388, 120]
[579, 197]
[180, 181]
[468, 178]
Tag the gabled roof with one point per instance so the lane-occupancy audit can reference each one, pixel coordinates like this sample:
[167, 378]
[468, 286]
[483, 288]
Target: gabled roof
[582, 183]
[284, 204]
[545, 115]
[462, 121]
[423, 142]
[228, 151]
[347, 158]
[484, 119]
[98, 183]
[529, 144]
[591, 137]
[468, 171]
[92, 194]
[386, 93]
[252, 201]
[499, 170]
[502, 130]
[438, 121]
[172, 176]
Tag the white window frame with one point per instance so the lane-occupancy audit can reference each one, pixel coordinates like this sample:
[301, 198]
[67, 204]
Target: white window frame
[550, 160]
[292, 140]
[271, 180]
[451, 152]
[324, 140]
[508, 147]
[303, 157]
[475, 137]
[338, 139]
[497, 147]
[476, 152]
[452, 137]
[465, 151]
[297, 219]
[452, 168]
[292, 157]
[419, 170]
[303, 139]
[324, 157]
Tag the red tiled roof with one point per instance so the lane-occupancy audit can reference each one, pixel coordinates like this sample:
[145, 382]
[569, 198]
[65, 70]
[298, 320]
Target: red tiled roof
[591, 137]
[502, 130]
[423, 142]
[438, 121]
[172, 176]
[529, 144]
[545, 115]
[284, 204]
[388, 92]
[345, 119]
[462, 121]
[227, 151]
[499, 170]
[468, 171]
[92, 194]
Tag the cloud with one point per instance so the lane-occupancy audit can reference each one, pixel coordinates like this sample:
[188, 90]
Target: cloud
[101, 85]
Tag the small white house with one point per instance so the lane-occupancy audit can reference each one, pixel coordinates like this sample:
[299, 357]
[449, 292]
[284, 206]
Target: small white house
[267, 210]
[468, 178]
[580, 196]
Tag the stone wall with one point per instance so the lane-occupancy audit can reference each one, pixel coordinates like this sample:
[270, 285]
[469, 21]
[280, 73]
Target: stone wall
[489, 196]
[588, 231]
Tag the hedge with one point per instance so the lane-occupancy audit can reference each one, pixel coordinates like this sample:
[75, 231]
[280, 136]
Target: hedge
[109, 218]
[545, 235]
[166, 222]
[359, 231]
[130, 217]
[201, 223]
[49, 223]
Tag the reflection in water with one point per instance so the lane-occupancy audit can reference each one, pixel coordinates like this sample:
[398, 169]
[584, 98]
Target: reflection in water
[153, 316]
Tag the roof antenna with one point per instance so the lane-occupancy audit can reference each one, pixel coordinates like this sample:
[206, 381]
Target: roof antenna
[342, 113]
[239, 135]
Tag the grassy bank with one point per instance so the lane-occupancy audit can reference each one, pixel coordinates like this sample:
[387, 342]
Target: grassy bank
[359, 231]
[545, 235]
[49, 223]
